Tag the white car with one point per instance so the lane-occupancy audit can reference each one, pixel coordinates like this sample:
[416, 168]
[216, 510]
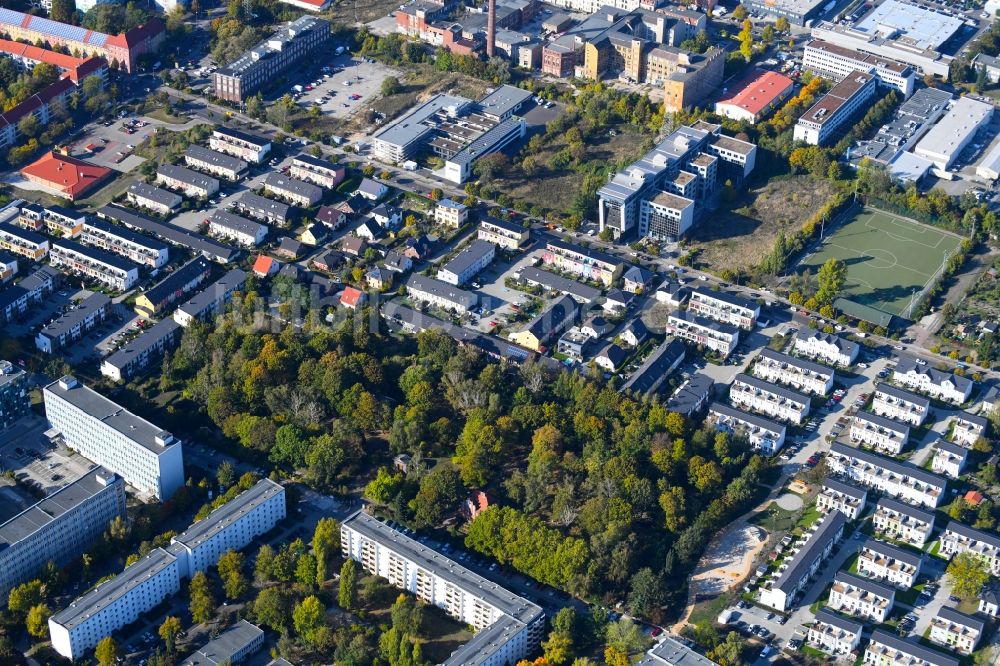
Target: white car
[703, 278]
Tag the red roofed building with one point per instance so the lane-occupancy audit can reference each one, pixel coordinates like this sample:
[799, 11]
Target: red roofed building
[475, 504]
[264, 266]
[352, 298]
[309, 5]
[756, 96]
[65, 176]
[77, 69]
[974, 498]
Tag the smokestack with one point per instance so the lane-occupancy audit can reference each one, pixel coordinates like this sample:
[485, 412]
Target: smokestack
[491, 28]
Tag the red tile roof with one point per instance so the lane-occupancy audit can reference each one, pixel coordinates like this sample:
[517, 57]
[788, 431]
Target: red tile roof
[264, 265]
[758, 91]
[68, 175]
[974, 497]
[138, 35]
[352, 297]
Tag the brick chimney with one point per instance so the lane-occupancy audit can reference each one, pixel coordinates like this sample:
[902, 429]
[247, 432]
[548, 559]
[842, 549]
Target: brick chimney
[491, 28]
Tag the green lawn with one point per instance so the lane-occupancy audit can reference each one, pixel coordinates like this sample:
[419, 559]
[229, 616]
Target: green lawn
[774, 519]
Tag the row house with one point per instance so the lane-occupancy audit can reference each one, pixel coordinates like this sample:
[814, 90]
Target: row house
[508, 235]
[847, 498]
[317, 171]
[581, 293]
[156, 199]
[930, 381]
[73, 324]
[215, 163]
[798, 373]
[808, 554]
[143, 353]
[23, 242]
[230, 226]
[295, 191]
[902, 522]
[958, 538]
[967, 429]
[826, 347]
[450, 213]
[540, 331]
[834, 634]
[32, 290]
[956, 631]
[763, 435]
[56, 220]
[196, 243]
[724, 308]
[719, 338]
[171, 288]
[885, 649]
[882, 434]
[889, 564]
[243, 145]
[774, 401]
[895, 403]
[861, 597]
[468, 263]
[137, 248]
[441, 294]
[949, 459]
[900, 480]
[98, 265]
[212, 300]
[264, 209]
[586, 263]
[190, 182]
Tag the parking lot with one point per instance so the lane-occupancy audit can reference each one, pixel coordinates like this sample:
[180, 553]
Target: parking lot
[25, 451]
[346, 87]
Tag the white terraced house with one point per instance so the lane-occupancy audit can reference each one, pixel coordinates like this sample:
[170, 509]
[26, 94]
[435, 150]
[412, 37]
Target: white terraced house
[900, 405]
[237, 228]
[144, 250]
[766, 436]
[882, 434]
[949, 459]
[720, 338]
[861, 597]
[468, 263]
[188, 181]
[442, 294]
[931, 381]
[317, 171]
[800, 374]
[966, 429]
[215, 163]
[958, 538]
[245, 146]
[956, 631]
[451, 213]
[834, 634]
[809, 553]
[509, 235]
[295, 191]
[769, 399]
[104, 267]
[23, 242]
[885, 649]
[901, 522]
[889, 564]
[826, 347]
[899, 480]
[724, 308]
[56, 220]
[844, 497]
[156, 199]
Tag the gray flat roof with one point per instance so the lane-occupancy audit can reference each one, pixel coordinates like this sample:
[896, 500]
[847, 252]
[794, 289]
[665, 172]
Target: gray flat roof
[883, 548]
[817, 541]
[69, 320]
[503, 100]
[950, 133]
[674, 653]
[411, 127]
[890, 464]
[10, 373]
[223, 647]
[918, 27]
[705, 322]
[932, 657]
[560, 283]
[228, 513]
[776, 389]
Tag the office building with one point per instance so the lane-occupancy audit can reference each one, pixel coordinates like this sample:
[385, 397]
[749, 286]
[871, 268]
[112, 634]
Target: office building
[22, 242]
[134, 247]
[148, 458]
[256, 69]
[904, 129]
[724, 307]
[60, 527]
[98, 265]
[580, 292]
[954, 132]
[847, 498]
[217, 164]
[967, 429]
[464, 266]
[508, 235]
[836, 62]
[294, 191]
[812, 549]
[930, 381]
[666, 216]
[834, 634]
[586, 263]
[800, 374]
[762, 434]
[210, 302]
[264, 209]
[441, 294]
[900, 480]
[830, 113]
[174, 235]
[451, 213]
[65, 176]
[958, 538]
[73, 324]
[771, 400]
[543, 329]
[236, 228]
[243, 145]
[902, 522]
[317, 171]
[508, 627]
[885, 649]
[756, 96]
[861, 597]
[889, 564]
[900, 405]
[174, 286]
[659, 365]
[188, 181]
[142, 353]
[956, 631]
[880, 433]
[719, 338]
[949, 459]
[826, 347]
[230, 647]
[160, 201]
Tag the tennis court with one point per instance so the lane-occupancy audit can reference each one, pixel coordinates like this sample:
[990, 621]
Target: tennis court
[889, 258]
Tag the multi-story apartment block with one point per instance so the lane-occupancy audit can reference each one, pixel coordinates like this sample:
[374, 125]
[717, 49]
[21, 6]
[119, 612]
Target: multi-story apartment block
[798, 373]
[137, 248]
[837, 62]
[774, 401]
[441, 294]
[160, 201]
[826, 347]
[834, 634]
[232, 646]
[897, 479]
[902, 522]
[258, 67]
[508, 627]
[889, 564]
[847, 498]
[464, 266]
[451, 213]
[247, 147]
[813, 548]
[14, 398]
[885, 649]
[956, 631]
[508, 235]
[900, 405]
[56, 220]
[724, 308]
[143, 352]
[949, 459]
[32, 290]
[317, 171]
[882, 434]
[60, 527]
[264, 209]
[967, 429]
[720, 338]
[175, 285]
[763, 435]
[98, 265]
[958, 538]
[931, 381]
[217, 164]
[72, 325]
[148, 458]
[586, 263]
[861, 597]
[23, 242]
[829, 114]
[294, 191]
[172, 234]
[188, 181]
[242, 231]
[211, 301]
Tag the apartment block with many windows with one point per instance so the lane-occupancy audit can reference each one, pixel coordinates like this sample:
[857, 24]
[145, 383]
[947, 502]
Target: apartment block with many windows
[837, 62]
[724, 308]
[116, 239]
[215, 163]
[586, 263]
[900, 480]
[317, 171]
[442, 294]
[142, 353]
[160, 201]
[949, 459]
[847, 498]
[902, 522]
[104, 267]
[15, 400]
[464, 266]
[763, 435]
[826, 347]
[73, 324]
[56, 220]
[23, 242]
[769, 399]
[861, 597]
[247, 147]
[707, 333]
[810, 551]
[882, 434]
[829, 114]
[930, 381]
[188, 181]
[889, 564]
[797, 373]
[508, 235]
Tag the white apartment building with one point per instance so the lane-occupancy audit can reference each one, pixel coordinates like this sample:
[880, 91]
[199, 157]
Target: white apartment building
[464, 266]
[895, 403]
[889, 564]
[885, 649]
[188, 181]
[60, 527]
[837, 62]
[720, 338]
[769, 399]
[836, 495]
[958, 538]
[215, 163]
[966, 429]
[148, 458]
[882, 434]
[900, 480]
[956, 631]
[156, 199]
[812, 549]
[317, 171]
[137, 248]
[828, 115]
[237, 228]
[724, 308]
[666, 215]
[441, 294]
[295, 191]
[834, 634]
[826, 347]
[98, 265]
[142, 352]
[861, 597]
[508, 235]
[23, 242]
[798, 373]
[931, 381]
[245, 146]
[57, 220]
[207, 303]
[70, 326]
[450, 213]
[232, 646]
[901, 522]
[763, 435]
[949, 459]
[508, 627]
[989, 600]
